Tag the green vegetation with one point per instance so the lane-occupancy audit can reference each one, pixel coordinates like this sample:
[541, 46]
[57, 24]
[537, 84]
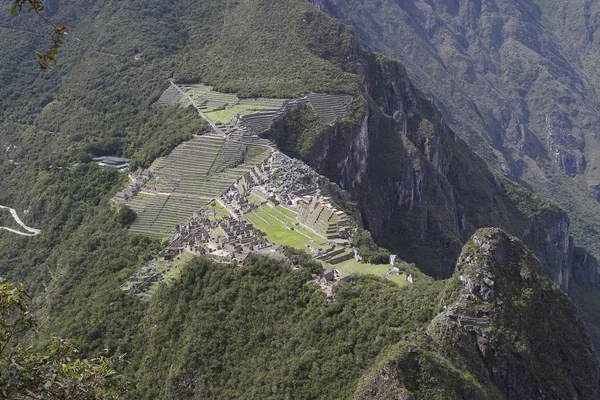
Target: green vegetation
[257, 330]
[48, 59]
[220, 116]
[352, 266]
[296, 50]
[7, 220]
[285, 211]
[302, 130]
[143, 286]
[125, 215]
[367, 249]
[237, 342]
[245, 109]
[54, 373]
[280, 234]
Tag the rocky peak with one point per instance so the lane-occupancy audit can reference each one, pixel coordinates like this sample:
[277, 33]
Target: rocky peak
[504, 331]
[513, 325]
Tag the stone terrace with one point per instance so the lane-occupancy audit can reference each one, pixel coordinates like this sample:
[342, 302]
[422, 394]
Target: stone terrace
[230, 114]
[208, 99]
[187, 166]
[330, 108]
[169, 97]
[191, 175]
[159, 215]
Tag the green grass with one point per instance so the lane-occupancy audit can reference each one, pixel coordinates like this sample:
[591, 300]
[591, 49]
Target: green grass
[255, 199]
[281, 235]
[292, 222]
[220, 116]
[249, 109]
[277, 233]
[354, 267]
[219, 209]
[287, 212]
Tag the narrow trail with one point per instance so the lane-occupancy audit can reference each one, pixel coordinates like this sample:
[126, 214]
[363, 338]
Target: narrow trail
[152, 192]
[31, 231]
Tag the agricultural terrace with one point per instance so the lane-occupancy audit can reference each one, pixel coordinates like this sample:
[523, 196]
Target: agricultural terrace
[169, 97]
[229, 113]
[330, 108]
[326, 221]
[158, 215]
[146, 281]
[193, 174]
[224, 108]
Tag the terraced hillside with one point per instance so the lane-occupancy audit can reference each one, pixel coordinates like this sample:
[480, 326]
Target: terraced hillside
[187, 167]
[329, 108]
[253, 116]
[158, 215]
[259, 122]
[194, 173]
[169, 97]
[208, 99]
[225, 108]
[325, 220]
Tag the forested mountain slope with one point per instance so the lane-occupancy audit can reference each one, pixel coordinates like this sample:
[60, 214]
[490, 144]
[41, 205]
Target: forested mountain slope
[258, 330]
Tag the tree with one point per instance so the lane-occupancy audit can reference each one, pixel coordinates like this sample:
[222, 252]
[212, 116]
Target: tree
[54, 373]
[45, 60]
[126, 216]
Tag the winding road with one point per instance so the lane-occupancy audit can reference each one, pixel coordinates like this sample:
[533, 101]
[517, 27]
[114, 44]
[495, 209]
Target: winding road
[31, 231]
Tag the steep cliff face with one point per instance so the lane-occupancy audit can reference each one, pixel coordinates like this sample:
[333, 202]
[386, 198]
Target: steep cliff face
[517, 80]
[494, 325]
[539, 101]
[421, 191]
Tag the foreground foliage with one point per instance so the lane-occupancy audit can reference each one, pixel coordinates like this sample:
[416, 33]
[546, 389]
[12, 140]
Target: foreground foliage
[56, 372]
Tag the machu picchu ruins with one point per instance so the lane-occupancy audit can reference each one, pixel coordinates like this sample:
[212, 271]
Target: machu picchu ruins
[229, 193]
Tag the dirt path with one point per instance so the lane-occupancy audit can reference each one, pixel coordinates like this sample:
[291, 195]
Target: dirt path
[30, 231]
[153, 192]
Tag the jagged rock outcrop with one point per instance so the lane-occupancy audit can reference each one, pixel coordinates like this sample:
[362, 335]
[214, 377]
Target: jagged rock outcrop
[507, 329]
